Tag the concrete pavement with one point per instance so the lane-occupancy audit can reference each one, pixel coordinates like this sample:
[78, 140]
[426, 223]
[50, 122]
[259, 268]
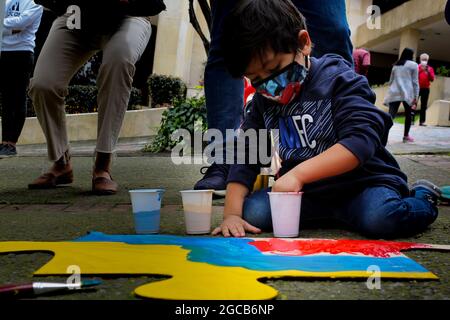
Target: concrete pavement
[70, 212]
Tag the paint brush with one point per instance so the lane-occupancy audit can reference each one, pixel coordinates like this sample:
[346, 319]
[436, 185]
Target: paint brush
[38, 288]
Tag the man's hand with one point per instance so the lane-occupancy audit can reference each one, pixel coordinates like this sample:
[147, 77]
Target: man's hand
[235, 226]
[288, 183]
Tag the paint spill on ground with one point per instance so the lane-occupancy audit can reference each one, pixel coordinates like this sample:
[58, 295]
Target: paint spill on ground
[251, 253]
[304, 247]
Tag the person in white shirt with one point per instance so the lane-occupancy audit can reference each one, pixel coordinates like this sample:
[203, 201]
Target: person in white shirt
[404, 88]
[20, 24]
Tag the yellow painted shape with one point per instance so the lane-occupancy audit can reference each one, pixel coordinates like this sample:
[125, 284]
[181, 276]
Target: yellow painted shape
[190, 280]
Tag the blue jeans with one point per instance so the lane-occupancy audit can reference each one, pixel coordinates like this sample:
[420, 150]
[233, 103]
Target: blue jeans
[376, 212]
[328, 26]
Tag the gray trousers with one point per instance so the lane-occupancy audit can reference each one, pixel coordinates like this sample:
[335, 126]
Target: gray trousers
[63, 54]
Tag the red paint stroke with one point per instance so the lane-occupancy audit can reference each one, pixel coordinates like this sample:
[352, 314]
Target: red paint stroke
[381, 249]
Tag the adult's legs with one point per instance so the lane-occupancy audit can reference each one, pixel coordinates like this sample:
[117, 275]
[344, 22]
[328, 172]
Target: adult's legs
[381, 212]
[393, 108]
[115, 78]
[408, 118]
[64, 52]
[224, 96]
[120, 53]
[424, 96]
[16, 70]
[328, 26]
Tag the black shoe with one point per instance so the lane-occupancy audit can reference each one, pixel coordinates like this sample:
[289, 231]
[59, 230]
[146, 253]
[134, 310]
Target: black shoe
[433, 190]
[215, 179]
[7, 150]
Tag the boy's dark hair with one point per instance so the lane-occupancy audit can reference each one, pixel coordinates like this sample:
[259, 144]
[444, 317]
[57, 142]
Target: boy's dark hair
[255, 26]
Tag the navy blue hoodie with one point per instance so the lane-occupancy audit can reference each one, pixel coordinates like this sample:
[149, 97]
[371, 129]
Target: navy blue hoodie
[336, 105]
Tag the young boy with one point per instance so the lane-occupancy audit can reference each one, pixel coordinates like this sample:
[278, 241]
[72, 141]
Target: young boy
[332, 137]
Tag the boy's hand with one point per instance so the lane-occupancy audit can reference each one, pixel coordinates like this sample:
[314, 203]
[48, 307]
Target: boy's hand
[288, 183]
[235, 226]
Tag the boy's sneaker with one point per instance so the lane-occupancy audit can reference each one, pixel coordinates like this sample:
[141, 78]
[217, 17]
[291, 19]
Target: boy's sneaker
[408, 139]
[215, 179]
[7, 150]
[434, 191]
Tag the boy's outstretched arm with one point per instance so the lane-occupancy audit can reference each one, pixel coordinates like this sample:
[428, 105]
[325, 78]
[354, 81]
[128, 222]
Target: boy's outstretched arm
[233, 224]
[333, 162]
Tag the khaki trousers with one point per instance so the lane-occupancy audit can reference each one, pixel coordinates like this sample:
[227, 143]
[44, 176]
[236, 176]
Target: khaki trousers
[63, 54]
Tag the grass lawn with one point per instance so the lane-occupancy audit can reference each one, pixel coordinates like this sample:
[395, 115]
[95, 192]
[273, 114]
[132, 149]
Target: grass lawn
[400, 119]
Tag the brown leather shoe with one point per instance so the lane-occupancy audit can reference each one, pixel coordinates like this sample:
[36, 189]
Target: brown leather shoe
[50, 181]
[102, 186]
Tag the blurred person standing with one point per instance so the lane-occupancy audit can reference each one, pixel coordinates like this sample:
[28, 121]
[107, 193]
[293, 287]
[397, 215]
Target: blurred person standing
[426, 76]
[404, 88]
[361, 59]
[21, 22]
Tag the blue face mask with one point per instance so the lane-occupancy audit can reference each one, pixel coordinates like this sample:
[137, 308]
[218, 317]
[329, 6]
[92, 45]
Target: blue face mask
[284, 85]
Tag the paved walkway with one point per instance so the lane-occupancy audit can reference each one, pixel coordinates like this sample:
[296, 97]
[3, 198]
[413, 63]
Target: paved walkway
[428, 140]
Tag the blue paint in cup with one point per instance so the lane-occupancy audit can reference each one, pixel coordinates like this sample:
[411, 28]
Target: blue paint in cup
[147, 210]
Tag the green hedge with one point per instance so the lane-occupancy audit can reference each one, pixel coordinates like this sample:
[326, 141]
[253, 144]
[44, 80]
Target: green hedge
[166, 89]
[83, 99]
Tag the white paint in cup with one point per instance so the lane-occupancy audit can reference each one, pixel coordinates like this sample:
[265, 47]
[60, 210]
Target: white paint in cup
[285, 208]
[197, 205]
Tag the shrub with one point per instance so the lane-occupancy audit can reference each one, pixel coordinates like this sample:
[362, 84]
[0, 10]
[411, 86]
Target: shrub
[443, 71]
[185, 114]
[166, 89]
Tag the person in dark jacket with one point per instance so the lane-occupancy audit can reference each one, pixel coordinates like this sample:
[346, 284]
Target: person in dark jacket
[331, 136]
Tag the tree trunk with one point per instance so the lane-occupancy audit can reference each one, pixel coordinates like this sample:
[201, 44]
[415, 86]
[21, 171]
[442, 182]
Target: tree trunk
[206, 10]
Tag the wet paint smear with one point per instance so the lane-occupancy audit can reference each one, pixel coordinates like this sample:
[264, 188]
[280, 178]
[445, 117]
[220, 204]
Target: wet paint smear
[252, 254]
[304, 247]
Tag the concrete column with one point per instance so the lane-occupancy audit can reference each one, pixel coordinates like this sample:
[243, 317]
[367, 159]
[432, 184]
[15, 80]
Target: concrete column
[2, 14]
[174, 40]
[410, 38]
[357, 14]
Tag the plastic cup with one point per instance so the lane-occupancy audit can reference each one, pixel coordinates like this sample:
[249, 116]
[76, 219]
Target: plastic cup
[146, 210]
[197, 206]
[285, 207]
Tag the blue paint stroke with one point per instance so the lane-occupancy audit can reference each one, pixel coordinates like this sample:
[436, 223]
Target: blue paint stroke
[237, 252]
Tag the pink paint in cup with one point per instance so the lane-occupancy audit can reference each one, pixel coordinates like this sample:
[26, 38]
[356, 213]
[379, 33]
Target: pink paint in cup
[285, 207]
[197, 205]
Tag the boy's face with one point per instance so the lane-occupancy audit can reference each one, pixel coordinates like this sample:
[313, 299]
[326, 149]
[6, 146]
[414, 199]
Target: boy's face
[279, 76]
[261, 68]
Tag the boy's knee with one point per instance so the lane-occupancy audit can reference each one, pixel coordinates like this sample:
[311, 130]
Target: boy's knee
[385, 222]
[256, 211]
